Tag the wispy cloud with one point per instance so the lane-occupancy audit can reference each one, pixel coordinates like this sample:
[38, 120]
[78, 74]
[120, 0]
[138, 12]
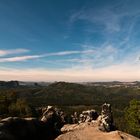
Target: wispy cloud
[104, 55]
[19, 58]
[69, 52]
[107, 18]
[29, 57]
[13, 51]
[117, 24]
[93, 64]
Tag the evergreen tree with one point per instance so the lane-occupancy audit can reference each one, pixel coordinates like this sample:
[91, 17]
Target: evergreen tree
[132, 116]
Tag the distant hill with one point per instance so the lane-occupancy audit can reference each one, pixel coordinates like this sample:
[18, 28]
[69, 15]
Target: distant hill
[62, 93]
[9, 84]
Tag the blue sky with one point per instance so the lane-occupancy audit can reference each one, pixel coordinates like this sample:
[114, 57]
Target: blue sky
[62, 40]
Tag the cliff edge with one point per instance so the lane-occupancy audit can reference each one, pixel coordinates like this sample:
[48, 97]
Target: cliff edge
[90, 131]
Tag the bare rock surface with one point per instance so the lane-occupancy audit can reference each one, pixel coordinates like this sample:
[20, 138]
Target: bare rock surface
[48, 128]
[90, 131]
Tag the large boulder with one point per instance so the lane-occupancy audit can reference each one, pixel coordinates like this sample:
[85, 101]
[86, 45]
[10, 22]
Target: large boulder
[14, 128]
[54, 117]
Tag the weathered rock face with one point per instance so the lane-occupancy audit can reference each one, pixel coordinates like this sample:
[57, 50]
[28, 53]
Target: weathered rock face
[91, 128]
[85, 116]
[14, 128]
[51, 126]
[54, 117]
[90, 131]
[88, 116]
[106, 118]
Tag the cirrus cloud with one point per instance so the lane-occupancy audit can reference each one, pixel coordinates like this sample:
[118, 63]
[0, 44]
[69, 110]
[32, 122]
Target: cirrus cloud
[13, 51]
[28, 57]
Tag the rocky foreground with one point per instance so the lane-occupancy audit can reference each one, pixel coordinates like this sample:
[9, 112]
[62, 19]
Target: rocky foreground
[90, 131]
[90, 126]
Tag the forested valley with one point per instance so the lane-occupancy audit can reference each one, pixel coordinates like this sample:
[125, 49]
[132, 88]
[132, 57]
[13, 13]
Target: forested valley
[25, 101]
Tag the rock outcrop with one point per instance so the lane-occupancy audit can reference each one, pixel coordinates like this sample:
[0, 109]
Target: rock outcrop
[14, 128]
[90, 131]
[51, 126]
[92, 128]
[88, 116]
[106, 119]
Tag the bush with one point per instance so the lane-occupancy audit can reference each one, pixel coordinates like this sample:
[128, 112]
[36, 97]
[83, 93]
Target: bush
[20, 108]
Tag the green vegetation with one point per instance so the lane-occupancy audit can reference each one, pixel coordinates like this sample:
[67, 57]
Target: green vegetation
[132, 116]
[11, 105]
[71, 97]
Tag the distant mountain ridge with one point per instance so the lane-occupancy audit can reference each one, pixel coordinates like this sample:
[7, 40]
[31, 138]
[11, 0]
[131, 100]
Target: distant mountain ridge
[15, 83]
[9, 84]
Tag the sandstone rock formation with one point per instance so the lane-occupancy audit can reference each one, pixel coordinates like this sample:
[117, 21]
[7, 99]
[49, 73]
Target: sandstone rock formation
[50, 127]
[92, 128]
[106, 118]
[90, 131]
[88, 116]
[14, 128]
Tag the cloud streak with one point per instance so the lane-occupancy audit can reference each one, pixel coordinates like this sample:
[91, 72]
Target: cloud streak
[13, 51]
[29, 57]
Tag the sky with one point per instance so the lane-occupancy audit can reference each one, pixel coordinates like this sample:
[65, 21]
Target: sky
[76, 41]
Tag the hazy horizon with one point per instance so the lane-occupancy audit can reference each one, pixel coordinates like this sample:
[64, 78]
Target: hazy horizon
[74, 41]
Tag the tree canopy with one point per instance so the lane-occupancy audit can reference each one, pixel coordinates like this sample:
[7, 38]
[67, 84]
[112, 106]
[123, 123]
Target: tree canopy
[132, 115]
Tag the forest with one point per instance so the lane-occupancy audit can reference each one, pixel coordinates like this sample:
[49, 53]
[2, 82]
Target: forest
[24, 101]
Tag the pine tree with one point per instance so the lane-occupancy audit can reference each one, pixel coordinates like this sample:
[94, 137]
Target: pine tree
[132, 116]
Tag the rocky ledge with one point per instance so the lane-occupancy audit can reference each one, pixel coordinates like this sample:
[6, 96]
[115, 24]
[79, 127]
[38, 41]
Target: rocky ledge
[90, 131]
[87, 126]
